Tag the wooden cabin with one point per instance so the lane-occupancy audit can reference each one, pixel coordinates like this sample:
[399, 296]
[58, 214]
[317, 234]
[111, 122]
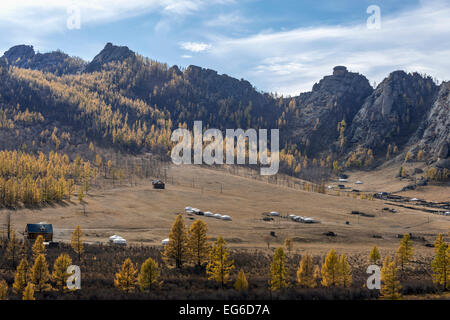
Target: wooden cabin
[33, 230]
[158, 184]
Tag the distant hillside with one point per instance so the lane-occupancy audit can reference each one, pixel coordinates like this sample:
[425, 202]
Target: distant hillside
[125, 101]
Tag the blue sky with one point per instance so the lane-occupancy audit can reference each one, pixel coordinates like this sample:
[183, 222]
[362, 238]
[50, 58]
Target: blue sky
[279, 46]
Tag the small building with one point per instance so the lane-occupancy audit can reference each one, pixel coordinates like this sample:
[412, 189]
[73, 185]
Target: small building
[33, 230]
[158, 184]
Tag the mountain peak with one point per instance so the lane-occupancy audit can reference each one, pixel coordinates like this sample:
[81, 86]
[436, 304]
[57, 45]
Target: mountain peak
[109, 53]
[19, 54]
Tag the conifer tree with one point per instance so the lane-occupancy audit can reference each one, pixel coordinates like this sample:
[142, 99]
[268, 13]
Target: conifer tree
[76, 242]
[39, 274]
[441, 266]
[305, 272]
[24, 249]
[331, 270]
[176, 250]
[374, 255]
[126, 278]
[197, 244]
[438, 241]
[21, 277]
[28, 293]
[149, 276]
[390, 288]
[345, 272]
[241, 283]
[404, 252]
[278, 270]
[3, 290]
[60, 274]
[219, 265]
[38, 247]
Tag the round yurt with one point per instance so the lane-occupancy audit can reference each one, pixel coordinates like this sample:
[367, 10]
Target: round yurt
[208, 214]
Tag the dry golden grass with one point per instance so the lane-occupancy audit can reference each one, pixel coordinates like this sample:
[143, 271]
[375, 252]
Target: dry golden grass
[143, 215]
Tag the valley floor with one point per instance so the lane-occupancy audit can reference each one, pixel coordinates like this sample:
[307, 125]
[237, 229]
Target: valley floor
[144, 215]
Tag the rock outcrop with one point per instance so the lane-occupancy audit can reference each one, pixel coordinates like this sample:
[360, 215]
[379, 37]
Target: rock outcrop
[314, 120]
[57, 62]
[435, 140]
[110, 53]
[393, 112]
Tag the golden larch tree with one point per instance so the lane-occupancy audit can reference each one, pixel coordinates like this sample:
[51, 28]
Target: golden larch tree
[176, 251]
[390, 288]
[126, 278]
[278, 270]
[24, 249]
[305, 272]
[28, 293]
[438, 241]
[39, 274]
[60, 274]
[219, 265]
[374, 255]
[345, 273]
[331, 270]
[405, 251]
[21, 277]
[149, 275]
[76, 242]
[241, 283]
[38, 247]
[3, 290]
[197, 243]
[441, 266]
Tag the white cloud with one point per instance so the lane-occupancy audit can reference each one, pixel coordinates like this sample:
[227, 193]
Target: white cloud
[42, 17]
[195, 46]
[229, 20]
[292, 61]
[186, 56]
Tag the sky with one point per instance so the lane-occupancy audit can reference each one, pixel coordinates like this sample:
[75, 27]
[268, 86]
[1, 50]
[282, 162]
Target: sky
[280, 46]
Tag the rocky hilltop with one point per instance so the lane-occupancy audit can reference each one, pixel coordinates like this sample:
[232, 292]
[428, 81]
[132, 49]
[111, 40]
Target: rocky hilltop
[23, 56]
[313, 117]
[393, 113]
